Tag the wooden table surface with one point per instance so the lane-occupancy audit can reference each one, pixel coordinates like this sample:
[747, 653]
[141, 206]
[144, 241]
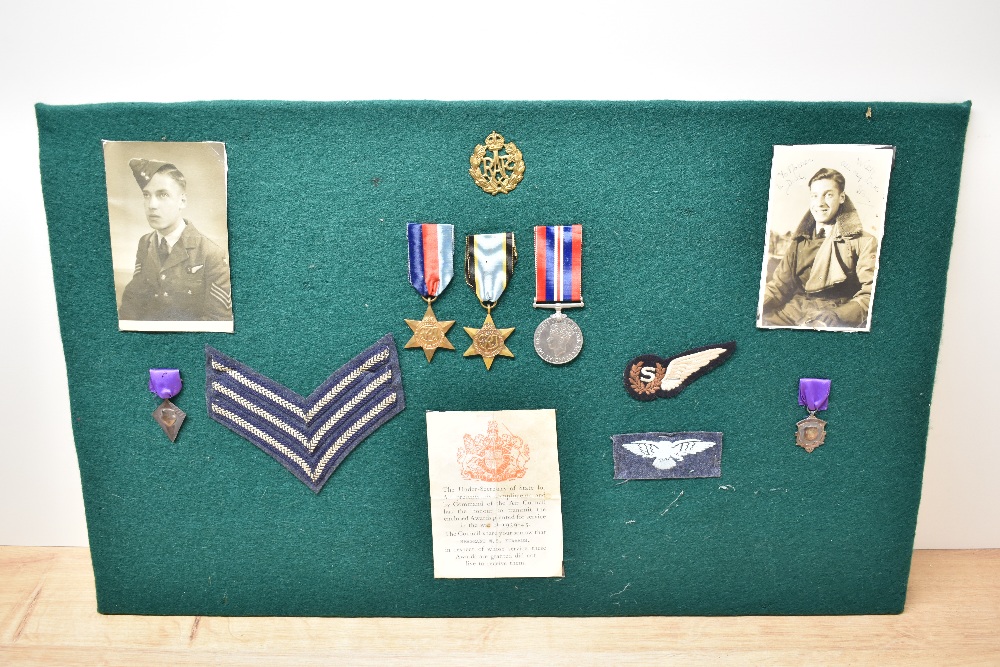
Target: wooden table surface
[47, 616]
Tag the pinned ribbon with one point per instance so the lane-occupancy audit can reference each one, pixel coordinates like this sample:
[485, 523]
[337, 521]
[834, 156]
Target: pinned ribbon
[166, 383]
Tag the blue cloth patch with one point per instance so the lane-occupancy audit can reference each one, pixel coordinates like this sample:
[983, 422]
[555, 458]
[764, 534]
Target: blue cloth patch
[668, 455]
[309, 436]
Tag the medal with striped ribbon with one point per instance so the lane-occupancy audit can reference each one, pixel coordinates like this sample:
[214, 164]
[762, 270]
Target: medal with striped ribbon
[558, 285]
[431, 253]
[489, 265]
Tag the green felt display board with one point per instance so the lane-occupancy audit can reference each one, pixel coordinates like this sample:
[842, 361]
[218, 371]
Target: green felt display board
[673, 199]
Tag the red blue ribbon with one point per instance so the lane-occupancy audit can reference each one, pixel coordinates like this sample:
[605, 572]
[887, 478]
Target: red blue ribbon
[431, 252]
[558, 264]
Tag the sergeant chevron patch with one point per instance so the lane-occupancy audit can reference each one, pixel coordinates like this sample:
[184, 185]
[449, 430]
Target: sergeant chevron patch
[309, 436]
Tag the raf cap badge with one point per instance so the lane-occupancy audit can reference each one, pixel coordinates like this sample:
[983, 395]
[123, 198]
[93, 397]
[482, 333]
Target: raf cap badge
[649, 377]
[814, 394]
[494, 171]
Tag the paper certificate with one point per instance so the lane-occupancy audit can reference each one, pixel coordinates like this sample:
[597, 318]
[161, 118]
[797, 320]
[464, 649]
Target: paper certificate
[496, 509]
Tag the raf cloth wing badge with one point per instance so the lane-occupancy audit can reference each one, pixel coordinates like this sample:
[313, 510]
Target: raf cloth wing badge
[310, 436]
[494, 172]
[648, 377]
[667, 455]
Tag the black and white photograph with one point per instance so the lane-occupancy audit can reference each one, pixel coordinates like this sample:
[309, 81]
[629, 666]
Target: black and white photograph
[167, 209]
[825, 222]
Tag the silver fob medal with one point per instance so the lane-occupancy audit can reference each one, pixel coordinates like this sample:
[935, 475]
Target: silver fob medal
[558, 339]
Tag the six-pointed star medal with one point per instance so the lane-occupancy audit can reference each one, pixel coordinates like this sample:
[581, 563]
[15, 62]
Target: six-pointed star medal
[488, 341]
[430, 334]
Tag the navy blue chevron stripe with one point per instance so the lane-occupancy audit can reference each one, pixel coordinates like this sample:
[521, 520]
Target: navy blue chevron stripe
[355, 399]
[311, 435]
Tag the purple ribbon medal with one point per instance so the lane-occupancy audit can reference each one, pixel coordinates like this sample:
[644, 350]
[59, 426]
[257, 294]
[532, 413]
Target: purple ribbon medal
[166, 383]
[814, 394]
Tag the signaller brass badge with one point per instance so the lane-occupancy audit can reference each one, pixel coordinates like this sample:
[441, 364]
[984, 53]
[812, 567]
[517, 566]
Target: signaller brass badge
[494, 171]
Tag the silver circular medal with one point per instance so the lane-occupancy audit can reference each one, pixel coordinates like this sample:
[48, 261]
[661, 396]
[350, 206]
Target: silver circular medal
[558, 339]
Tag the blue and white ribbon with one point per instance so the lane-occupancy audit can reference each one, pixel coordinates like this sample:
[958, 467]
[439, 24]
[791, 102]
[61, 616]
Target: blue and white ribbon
[309, 436]
[489, 264]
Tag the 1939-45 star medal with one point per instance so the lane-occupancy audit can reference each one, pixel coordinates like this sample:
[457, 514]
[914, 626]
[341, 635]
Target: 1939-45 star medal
[489, 265]
[558, 269]
[494, 171]
[431, 252]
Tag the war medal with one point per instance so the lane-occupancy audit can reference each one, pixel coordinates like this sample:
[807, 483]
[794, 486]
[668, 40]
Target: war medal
[489, 265]
[166, 383]
[431, 253]
[496, 173]
[558, 267]
[814, 394]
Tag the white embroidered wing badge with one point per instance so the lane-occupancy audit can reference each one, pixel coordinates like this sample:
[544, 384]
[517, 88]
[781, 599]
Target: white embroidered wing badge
[667, 454]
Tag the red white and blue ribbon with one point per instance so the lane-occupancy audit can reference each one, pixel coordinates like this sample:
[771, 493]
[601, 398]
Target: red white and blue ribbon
[432, 248]
[558, 264]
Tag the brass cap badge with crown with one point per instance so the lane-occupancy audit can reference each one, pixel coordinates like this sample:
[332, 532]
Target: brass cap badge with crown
[493, 171]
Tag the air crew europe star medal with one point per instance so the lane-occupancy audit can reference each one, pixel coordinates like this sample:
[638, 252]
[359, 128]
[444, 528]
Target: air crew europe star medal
[489, 265]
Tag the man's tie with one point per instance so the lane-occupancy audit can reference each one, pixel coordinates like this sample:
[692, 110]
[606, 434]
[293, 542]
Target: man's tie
[163, 251]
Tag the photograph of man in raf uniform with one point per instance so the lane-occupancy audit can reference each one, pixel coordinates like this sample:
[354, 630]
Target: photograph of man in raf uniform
[821, 274]
[180, 279]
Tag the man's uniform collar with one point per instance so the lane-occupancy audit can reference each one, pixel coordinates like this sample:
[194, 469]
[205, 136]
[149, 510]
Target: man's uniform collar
[173, 236]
